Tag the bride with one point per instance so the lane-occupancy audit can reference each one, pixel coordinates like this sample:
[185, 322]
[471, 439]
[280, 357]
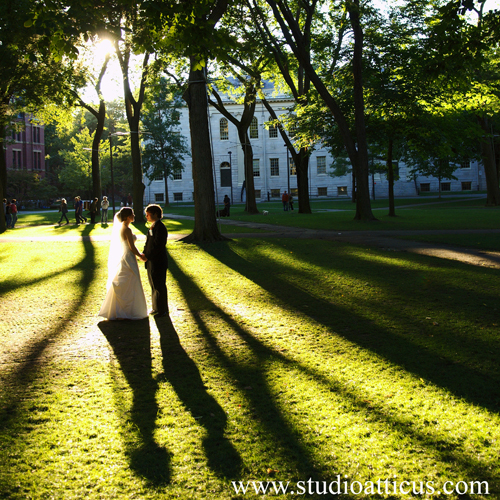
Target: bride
[125, 297]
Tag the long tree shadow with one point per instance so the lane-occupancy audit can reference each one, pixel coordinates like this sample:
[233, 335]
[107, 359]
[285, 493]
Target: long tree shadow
[131, 344]
[285, 438]
[462, 380]
[183, 374]
[17, 384]
[288, 439]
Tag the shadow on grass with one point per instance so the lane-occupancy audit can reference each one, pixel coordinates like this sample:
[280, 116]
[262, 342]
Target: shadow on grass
[463, 380]
[131, 344]
[17, 384]
[183, 374]
[284, 438]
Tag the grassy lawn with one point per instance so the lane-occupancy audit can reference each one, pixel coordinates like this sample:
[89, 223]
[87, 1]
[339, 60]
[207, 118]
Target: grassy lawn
[284, 360]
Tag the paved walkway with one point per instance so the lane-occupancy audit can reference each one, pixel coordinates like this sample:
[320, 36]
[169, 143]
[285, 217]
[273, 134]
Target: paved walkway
[385, 239]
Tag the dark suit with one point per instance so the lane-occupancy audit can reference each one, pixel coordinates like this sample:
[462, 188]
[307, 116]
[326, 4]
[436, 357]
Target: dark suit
[156, 265]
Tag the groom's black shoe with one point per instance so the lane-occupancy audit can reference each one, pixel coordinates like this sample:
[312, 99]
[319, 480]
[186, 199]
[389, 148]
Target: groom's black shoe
[161, 315]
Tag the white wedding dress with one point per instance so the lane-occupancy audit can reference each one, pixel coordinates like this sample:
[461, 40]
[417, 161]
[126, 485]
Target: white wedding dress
[125, 296]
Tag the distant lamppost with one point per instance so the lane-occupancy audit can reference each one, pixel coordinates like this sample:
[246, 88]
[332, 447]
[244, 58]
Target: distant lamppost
[231, 173]
[288, 168]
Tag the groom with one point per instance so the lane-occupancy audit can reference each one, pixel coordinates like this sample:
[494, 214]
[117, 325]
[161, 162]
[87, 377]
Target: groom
[156, 263]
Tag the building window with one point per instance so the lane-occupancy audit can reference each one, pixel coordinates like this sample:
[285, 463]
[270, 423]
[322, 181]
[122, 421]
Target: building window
[292, 167]
[446, 186]
[323, 191]
[159, 197]
[17, 136]
[258, 194]
[275, 166]
[178, 196]
[273, 130]
[254, 129]
[425, 187]
[16, 159]
[275, 193]
[36, 135]
[466, 186]
[465, 164]
[225, 174]
[177, 176]
[224, 129]
[321, 165]
[341, 190]
[158, 178]
[294, 192]
[37, 160]
[256, 168]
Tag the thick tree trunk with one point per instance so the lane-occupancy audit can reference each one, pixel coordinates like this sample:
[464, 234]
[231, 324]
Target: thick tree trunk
[390, 178]
[251, 205]
[363, 205]
[490, 169]
[303, 181]
[205, 223]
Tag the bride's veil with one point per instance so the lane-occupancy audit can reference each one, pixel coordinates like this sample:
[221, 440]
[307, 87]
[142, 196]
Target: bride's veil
[115, 249]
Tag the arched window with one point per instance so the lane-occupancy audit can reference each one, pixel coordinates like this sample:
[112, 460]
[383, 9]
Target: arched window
[224, 129]
[254, 129]
[225, 174]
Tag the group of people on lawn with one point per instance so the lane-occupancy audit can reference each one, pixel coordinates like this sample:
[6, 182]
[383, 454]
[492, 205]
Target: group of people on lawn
[93, 210]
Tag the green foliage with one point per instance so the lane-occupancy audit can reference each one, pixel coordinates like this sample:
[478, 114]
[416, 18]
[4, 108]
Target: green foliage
[164, 146]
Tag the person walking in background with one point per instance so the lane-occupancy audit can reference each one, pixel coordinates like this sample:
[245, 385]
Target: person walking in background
[290, 201]
[156, 260]
[227, 205]
[13, 211]
[104, 210]
[94, 210]
[284, 199]
[8, 215]
[64, 210]
[79, 211]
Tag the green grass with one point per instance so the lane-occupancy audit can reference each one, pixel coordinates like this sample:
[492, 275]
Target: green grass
[284, 360]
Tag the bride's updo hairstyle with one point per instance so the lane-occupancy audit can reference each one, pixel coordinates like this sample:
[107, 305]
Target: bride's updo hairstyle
[124, 213]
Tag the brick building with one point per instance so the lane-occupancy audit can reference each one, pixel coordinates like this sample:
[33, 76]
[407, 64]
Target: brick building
[25, 148]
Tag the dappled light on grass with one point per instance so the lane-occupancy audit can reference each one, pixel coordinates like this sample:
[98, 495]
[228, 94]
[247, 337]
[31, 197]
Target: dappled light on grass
[392, 421]
[306, 358]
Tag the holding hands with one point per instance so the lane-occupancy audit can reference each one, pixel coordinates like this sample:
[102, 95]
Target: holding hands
[143, 257]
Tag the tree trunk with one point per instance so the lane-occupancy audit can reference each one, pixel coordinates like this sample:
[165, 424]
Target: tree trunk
[354, 191]
[390, 178]
[165, 178]
[205, 223]
[490, 169]
[363, 205]
[303, 181]
[251, 205]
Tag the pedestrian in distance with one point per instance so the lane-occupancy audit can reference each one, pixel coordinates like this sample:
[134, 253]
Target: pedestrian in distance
[64, 210]
[104, 210]
[284, 199]
[13, 211]
[8, 215]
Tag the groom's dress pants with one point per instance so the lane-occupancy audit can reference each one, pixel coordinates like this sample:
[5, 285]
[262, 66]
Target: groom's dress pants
[157, 275]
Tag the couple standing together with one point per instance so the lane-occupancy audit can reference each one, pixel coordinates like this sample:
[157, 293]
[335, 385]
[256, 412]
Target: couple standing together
[125, 296]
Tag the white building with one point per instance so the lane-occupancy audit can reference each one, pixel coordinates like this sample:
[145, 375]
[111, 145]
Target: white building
[270, 162]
